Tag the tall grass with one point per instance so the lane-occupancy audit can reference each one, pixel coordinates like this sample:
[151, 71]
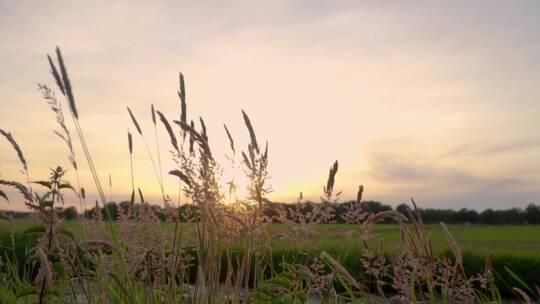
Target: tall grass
[229, 258]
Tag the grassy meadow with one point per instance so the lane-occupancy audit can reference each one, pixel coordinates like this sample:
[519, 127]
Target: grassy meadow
[512, 247]
[511, 240]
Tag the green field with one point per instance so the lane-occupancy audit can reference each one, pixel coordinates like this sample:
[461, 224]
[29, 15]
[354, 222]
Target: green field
[507, 240]
[523, 241]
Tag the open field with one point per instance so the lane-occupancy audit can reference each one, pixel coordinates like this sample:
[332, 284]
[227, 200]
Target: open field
[479, 239]
[513, 247]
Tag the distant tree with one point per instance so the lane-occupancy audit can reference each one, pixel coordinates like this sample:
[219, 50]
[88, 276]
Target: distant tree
[487, 217]
[375, 207]
[70, 213]
[403, 209]
[466, 216]
[515, 216]
[430, 216]
[124, 206]
[110, 209]
[532, 214]
[158, 211]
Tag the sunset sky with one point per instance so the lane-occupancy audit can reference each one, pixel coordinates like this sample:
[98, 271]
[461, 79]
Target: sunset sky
[436, 100]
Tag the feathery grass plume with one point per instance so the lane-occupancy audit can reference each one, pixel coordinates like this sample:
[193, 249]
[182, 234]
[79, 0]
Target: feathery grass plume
[130, 143]
[63, 134]
[167, 126]
[417, 212]
[339, 269]
[488, 267]
[56, 76]
[153, 114]
[329, 188]
[524, 296]
[182, 95]
[377, 217]
[141, 196]
[359, 195]
[252, 136]
[16, 147]
[231, 141]
[132, 199]
[66, 84]
[247, 162]
[56, 107]
[201, 139]
[203, 129]
[25, 191]
[191, 138]
[135, 122]
[453, 244]
[181, 175]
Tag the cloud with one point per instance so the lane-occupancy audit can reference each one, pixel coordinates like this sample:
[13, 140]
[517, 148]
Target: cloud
[443, 185]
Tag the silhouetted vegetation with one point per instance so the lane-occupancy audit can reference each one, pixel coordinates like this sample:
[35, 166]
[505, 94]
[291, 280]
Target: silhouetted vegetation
[514, 216]
[229, 256]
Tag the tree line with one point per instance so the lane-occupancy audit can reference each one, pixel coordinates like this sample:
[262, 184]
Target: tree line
[513, 216]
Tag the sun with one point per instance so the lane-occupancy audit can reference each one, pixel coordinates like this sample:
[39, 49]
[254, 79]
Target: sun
[235, 187]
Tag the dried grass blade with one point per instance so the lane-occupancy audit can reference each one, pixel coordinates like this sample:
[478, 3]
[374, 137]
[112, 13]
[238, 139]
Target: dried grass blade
[130, 143]
[252, 136]
[67, 84]
[339, 269]
[135, 122]
[453, 244]
[231, 141]
[16, 147]
[167, 126]
[56, 76]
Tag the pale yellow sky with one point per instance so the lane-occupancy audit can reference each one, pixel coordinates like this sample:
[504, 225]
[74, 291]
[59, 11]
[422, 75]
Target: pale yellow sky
[433, 100]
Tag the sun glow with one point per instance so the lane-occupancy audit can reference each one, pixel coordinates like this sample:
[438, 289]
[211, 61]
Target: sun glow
[235, 186]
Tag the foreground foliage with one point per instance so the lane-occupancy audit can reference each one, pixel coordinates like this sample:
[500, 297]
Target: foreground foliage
[230, 258]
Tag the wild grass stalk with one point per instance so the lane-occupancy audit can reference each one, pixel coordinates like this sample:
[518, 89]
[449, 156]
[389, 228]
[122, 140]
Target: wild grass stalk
[9, 137]
[64, 85]
[65, 136]
[156, 170]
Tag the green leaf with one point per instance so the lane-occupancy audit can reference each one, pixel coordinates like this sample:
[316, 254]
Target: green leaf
[26, 292]
[518, 279]
[46, 184]
[3, 194]
[66, 185]
[302, 297]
